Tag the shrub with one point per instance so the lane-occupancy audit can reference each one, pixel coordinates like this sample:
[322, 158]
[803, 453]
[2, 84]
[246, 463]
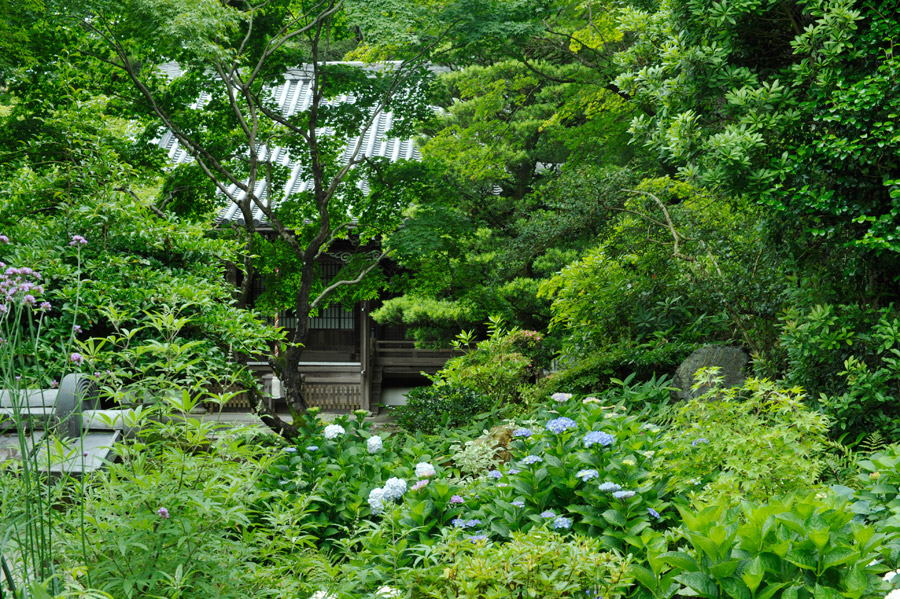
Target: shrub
[795, 548]
[429, 409]
[539, 563]
[749, 442]
[846, 356]
[599, 371]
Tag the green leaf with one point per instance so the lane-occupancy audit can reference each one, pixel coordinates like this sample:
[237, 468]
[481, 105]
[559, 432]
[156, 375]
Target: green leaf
[724, 569]
[700, 582]
[753, 573]
[645, 577]
[735, 588]
[680, 560]
[802, 559]
[614, 517]
[839, 556]
[856, 582]
[822, 592]
[708, 546]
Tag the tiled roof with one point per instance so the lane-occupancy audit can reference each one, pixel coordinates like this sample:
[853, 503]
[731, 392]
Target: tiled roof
[294, 95]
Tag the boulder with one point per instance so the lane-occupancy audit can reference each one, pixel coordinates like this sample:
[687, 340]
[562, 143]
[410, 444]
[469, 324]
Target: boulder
[731, 362]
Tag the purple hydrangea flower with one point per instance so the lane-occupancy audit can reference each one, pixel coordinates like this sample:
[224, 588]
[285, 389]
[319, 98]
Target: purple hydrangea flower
[532, 459]
[559, 425]
[562, 522]
[548, 514]
[598, 438]
[457, 499]
[419, 484]
[561, 397]
[653, 512]
[518, 503]
[163, 513]
[514, 471]
[522, 432]
[495, 474]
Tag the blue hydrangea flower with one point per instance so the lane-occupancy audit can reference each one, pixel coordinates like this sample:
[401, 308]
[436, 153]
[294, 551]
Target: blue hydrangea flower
[518, 503]
[598, 438]
[495, 474]
[696, 442]
[522, 432]
[623, 494]
[609, 487]
[653, 512]
[477, 538]
[562, 522]
[473, 523]
[312, 448]
[289, 449]
[532, 459]
[514, 471]
[559, 425]
[548, 514]
[586, 475]
[458, 523]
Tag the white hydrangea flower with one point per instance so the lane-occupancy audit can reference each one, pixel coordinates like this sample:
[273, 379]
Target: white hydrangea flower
[376, 500]
[388, 593]
[889, 577]
[334, 430]
[895, 594]
[424, 470]
[394, 489]
[374, 444]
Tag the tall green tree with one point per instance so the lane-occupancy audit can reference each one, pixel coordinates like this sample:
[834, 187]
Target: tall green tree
[232, 55]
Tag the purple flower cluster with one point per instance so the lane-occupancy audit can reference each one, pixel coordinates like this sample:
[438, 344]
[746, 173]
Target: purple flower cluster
[522, 432]
[697, 442]
[456, 499]
[598, 438]
[495, 474]
[562, 522]
[77, 240]
[560, 425]
[460, 523]
[532, 459]
[20, 285]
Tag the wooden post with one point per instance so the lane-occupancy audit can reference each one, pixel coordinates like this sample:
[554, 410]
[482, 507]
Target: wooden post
[365, 376]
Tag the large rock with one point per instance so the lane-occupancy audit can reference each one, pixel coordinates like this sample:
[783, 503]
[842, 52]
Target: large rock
[730, 360]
